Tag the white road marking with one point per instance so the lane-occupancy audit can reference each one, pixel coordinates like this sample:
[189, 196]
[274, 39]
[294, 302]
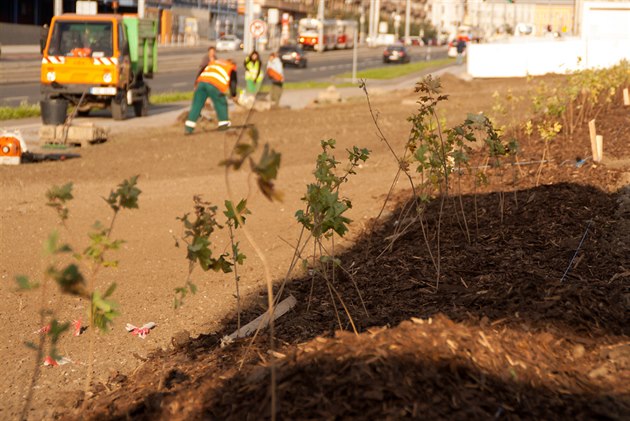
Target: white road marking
[180, 84]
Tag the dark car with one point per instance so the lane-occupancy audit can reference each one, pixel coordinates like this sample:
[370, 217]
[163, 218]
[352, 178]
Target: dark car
[395, 53]
[293, 55]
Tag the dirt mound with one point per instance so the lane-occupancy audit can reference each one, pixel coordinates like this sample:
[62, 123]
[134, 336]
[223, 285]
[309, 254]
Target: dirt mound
[511, 272]
[520, 337]
[430, 369]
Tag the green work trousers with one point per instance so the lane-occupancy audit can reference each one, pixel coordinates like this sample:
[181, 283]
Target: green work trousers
[203, 91]
[253, 86]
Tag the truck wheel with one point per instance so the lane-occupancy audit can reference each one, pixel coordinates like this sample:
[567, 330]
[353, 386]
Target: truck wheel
[119, 107]
[83, 113]
[141, 107]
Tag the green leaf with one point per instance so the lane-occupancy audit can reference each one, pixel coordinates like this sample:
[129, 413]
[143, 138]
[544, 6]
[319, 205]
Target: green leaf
[267, 167]
[50, 245]
[110, 263]
[57, 198]
[222, 265]
[24, 283]
[304, 219]
[110, 290]
[125, 196]
[241, 210]
[192, 287]
[103, 311]
[60, 193]
[326, 144]
[237, 255]
[99, 302]
[267, 171]
[182, 292]
[128, 193]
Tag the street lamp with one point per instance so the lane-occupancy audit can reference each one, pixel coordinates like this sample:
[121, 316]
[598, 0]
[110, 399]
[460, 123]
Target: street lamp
[407, 21]
[58, 7]
[320, 17]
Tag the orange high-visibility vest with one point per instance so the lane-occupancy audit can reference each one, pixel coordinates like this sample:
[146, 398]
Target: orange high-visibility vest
[217, 74]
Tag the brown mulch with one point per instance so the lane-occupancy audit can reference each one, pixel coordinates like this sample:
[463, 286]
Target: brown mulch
[430, 369]
[528, 319]
[510, 340]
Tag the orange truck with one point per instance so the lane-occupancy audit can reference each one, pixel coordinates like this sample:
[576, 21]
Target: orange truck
[98, 61]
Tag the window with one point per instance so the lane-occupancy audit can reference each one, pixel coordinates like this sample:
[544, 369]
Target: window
[92, 38]
[123, 45]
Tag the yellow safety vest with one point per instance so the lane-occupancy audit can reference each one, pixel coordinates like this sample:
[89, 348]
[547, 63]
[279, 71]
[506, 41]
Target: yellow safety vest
[252, 70]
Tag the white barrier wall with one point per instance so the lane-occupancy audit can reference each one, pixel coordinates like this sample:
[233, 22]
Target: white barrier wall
[606, 32]
[519, 59]
[604, 42]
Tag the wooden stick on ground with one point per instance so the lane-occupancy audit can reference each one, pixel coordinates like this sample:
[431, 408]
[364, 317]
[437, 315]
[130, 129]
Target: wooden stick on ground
[599, 140]
[626, 97]
[262, 321]
[593, 133]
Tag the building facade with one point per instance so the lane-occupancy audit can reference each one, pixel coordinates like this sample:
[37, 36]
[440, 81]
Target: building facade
[212, 18]
[495, 17]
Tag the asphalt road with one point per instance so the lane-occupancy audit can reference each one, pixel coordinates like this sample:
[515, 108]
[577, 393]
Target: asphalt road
[177, 68]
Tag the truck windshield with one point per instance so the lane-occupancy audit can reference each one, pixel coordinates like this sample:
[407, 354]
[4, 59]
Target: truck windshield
[81, 39]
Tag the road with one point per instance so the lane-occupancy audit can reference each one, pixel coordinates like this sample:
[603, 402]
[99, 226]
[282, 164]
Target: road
[177, 67]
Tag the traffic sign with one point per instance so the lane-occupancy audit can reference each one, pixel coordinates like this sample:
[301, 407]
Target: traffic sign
[257, 28]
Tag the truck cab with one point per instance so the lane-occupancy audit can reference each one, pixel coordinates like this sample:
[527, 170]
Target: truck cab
[93, 61]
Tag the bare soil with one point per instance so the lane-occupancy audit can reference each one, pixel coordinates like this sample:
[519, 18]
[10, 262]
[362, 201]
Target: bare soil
[506, 334]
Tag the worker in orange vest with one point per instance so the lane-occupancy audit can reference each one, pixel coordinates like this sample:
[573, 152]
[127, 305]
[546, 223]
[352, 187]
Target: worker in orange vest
[214, 82]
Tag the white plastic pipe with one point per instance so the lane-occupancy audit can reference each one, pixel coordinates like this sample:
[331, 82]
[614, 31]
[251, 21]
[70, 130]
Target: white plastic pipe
[355, 49]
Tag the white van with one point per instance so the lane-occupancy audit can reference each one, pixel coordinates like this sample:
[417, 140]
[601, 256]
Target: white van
[385, 39]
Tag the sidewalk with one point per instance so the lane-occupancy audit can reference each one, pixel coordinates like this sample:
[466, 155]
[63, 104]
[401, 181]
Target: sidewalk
[8, 50]
[298, 99]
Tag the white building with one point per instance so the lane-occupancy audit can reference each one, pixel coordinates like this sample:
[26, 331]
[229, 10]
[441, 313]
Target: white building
[446, 15]
[490, 18]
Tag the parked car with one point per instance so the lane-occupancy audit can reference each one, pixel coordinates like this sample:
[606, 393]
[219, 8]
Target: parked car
[229, 43]
[293, 55]
[383, 39]
[413, 41]
[396, 53]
